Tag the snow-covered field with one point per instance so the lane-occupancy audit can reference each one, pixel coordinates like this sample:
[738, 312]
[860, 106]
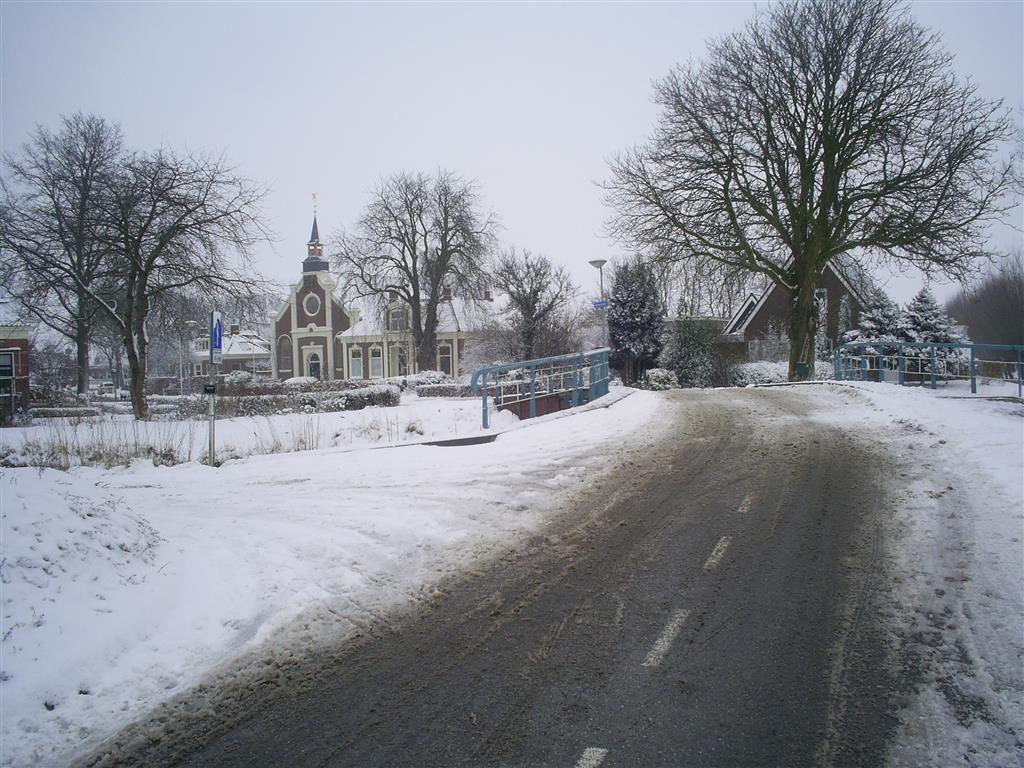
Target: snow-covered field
[415, 419]
[124, 586]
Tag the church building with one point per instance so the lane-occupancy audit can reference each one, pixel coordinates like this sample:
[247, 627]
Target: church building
[315, 336]
[305, 328]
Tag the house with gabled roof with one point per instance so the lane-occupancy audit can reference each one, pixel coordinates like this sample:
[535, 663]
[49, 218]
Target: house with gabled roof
[760, 317]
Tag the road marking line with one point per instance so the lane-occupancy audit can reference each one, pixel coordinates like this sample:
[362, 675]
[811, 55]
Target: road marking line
[592, 757]
[747, 502]
[668, 636]
[717, 552]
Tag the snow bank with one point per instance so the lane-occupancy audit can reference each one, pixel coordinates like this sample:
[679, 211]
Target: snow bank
[296, 550]
[955, 540]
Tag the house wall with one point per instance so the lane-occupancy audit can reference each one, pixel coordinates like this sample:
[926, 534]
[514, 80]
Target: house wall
[14, 339]
[776, 309]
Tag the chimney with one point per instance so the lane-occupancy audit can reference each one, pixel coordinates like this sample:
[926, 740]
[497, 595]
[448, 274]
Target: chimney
[234, 329]
[446, 294]
[392, 295]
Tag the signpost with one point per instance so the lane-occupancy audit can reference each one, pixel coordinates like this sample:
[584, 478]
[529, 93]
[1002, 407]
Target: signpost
[600, 304]
[216, 340]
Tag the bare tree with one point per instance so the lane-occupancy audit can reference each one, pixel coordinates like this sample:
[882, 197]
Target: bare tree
[537, 292]
[993, 310]
[174, 223]
[826, 127]
[51, 227]
[418, 238]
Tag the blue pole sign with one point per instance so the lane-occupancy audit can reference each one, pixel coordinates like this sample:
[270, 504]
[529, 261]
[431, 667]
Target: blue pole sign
[216, 337]
[601, 304]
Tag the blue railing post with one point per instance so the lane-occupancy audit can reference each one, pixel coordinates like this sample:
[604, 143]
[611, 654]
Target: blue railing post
[974, 373]
[902, 367]
[934, 378]
[837, 372]
[881, 365]
[575, 383]
[484, 401]
[533, 391]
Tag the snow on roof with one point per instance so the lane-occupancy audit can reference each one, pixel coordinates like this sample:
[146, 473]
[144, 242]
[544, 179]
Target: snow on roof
[454, 315]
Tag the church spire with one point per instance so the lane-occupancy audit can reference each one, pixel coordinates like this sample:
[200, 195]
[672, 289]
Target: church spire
[314, 261]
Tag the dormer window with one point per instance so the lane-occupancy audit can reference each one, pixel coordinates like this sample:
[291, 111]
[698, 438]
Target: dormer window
[397, 320]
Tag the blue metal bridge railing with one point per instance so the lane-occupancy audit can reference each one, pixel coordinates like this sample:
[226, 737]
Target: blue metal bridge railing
[923, 362]
[571, 379]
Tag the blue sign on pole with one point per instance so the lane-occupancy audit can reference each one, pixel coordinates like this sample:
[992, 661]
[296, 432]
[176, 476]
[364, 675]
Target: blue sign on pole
[216, 337]
[601, 304]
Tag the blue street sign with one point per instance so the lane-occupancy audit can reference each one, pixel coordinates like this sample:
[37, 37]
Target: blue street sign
[216, 337]
[601, 304]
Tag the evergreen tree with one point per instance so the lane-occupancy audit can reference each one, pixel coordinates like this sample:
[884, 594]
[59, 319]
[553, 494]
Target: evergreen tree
[924, 320]
[845, 320]
[635, 318]
[689, 353]
[880, 321]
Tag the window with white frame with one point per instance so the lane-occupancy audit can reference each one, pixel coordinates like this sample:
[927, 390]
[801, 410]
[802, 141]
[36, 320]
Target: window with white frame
[6, 364]
[376, 362]
[311, 304]
[355, 365]
[313, 365]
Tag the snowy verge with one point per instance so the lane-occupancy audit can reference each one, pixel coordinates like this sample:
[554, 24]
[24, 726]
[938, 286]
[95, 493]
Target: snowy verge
[159, 575]
[956, 604]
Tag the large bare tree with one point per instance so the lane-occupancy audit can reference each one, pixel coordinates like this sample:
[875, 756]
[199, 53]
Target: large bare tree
[175, 223]
[419, 237]
[51, 221]
[825, 127]
[537, 292]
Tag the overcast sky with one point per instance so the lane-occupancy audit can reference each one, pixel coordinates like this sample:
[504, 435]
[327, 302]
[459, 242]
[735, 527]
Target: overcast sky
[529, 100]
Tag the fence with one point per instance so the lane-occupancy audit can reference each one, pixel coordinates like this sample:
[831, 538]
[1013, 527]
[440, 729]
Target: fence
[535, 387]
[925, 363]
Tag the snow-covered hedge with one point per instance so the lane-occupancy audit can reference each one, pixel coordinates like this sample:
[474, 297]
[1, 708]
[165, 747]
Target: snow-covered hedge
[764, 372]
[658, 379]
[298, 402]
[450, 389]
[760, 372]
[421, 379]
[66, 412]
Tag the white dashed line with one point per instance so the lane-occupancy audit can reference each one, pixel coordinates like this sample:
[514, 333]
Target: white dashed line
[745, 506]
[717, 552]
[592, 757]
[665, 641]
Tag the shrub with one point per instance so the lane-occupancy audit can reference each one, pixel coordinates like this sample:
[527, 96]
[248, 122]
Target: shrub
[658, 379]
[760, 372]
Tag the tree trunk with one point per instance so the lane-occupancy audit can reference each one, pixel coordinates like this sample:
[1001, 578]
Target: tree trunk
[802, 325]
[136, 347]
[427, 344]
[82, 356]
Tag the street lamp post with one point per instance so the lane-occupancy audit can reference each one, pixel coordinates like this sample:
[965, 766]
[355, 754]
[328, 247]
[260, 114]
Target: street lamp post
[598, 264]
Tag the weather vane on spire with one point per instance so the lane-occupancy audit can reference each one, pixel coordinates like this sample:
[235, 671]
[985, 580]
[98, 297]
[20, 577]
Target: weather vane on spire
[314, 204]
